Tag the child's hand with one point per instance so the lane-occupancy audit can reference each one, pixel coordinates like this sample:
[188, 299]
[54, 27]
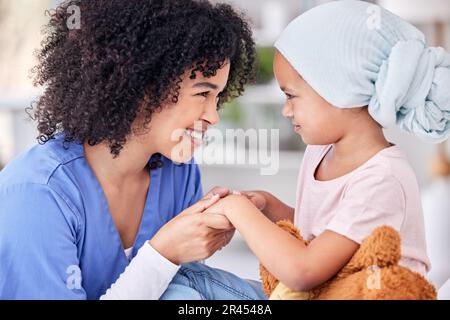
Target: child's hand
[271, 206]
[257, 198]
[232, 204]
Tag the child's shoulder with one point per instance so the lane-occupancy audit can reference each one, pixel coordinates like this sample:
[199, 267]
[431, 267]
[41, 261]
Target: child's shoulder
[389, 165]
[388, 160]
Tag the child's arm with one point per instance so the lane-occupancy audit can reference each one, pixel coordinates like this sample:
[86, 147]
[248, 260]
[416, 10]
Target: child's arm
[298, 266]
[271, 206]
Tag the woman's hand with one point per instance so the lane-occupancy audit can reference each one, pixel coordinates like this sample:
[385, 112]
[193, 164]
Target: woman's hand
[220, 191]
[193, 235]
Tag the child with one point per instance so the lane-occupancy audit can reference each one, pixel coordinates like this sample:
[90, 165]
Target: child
[346, 75]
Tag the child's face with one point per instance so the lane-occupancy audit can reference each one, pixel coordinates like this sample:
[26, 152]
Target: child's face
[313, 118]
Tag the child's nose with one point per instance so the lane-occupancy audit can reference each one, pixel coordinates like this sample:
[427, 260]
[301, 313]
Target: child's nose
[287, 111]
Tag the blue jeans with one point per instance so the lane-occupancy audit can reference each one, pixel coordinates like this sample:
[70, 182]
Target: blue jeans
[197, 281]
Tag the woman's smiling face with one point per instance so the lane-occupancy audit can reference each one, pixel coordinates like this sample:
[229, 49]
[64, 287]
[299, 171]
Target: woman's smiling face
[313, 118]
[179, 127]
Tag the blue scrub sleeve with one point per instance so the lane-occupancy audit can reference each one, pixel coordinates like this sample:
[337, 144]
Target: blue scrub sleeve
[38, 245]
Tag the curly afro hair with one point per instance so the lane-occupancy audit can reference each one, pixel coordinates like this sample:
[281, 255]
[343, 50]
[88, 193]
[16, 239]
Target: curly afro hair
[126, 61]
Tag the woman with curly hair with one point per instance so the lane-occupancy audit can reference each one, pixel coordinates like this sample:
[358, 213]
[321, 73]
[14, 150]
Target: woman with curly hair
[109, 204]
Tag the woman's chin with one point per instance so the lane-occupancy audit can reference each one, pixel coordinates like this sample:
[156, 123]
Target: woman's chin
[182, 152]
[183, 158]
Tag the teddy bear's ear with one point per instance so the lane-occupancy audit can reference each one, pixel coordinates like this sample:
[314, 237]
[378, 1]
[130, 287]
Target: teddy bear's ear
[381, 248]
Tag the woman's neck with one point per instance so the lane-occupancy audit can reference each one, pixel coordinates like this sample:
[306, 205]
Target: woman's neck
[130, 165]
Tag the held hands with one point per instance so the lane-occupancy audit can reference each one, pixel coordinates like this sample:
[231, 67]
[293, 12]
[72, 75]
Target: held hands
[194, 235]
[272, 207]
[236, 201]
[258, 198]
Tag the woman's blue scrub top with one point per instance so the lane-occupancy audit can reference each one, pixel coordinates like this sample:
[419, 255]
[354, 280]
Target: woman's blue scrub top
[55, 225]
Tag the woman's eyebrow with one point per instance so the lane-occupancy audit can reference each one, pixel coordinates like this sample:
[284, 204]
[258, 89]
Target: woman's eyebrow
[206, 84]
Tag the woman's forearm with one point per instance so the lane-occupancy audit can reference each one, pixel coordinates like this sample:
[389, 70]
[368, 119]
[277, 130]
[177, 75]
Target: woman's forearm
[145, 278]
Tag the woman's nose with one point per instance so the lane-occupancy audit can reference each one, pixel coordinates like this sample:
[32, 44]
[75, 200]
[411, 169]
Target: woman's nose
[211, 114]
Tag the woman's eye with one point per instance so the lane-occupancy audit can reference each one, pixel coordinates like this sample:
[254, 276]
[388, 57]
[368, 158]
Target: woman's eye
[203, 94]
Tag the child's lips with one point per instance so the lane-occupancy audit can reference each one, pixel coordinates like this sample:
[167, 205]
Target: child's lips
[297, 127]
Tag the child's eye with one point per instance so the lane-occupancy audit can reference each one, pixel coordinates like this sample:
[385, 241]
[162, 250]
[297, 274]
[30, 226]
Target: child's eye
[288, 96]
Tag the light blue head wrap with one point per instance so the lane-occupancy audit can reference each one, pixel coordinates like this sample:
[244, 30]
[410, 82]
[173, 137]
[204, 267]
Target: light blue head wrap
[354, 53]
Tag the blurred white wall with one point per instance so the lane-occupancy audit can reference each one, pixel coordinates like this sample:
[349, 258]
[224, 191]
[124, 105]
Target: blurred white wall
[21, 22]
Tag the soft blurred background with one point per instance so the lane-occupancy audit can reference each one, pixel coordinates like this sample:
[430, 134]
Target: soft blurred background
[21, 22]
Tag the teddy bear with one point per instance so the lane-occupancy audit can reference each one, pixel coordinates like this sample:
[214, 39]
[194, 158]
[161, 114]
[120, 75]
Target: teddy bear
[372, 273]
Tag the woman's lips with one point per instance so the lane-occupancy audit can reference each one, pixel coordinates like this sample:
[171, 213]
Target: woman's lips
[195, 136]
[297, 128]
